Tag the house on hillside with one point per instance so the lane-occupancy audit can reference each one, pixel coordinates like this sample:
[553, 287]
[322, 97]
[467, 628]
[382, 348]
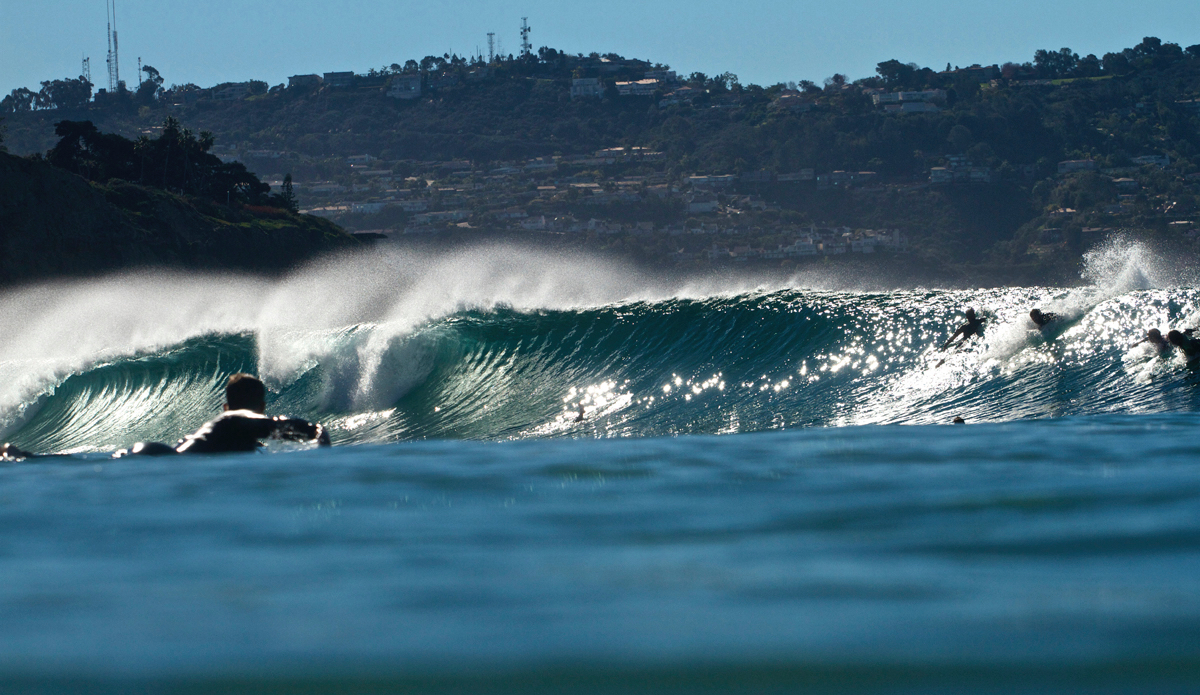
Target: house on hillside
[702, 203]
[339, 79]
[586, 88]
[405, 87]
[639, 88]
[1160, 160]
[304, 81]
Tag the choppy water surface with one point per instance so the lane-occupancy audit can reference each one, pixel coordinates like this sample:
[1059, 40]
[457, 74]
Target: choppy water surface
[762, 493]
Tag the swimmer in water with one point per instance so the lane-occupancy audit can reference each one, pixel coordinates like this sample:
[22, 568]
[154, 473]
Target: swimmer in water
[968, 330]
[1041, 319]
[241, 427]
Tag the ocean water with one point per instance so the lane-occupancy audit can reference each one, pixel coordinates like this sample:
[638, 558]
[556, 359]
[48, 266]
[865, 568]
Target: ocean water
[554, 474]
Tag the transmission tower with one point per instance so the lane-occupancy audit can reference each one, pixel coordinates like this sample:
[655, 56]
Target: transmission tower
[114, 70]
[86, 71]
[525, 46]
[491, 47]
[139, 72]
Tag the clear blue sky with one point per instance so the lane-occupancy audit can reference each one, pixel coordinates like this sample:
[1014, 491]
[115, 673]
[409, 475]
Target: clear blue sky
[762, 41]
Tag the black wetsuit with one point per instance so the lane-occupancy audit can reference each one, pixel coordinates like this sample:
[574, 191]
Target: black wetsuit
[1043, 319]
[242, 430]
[1190, 348]
[232, 431]
[973, 327]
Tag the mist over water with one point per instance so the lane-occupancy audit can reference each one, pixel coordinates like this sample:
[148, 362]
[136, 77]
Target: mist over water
[502, 342]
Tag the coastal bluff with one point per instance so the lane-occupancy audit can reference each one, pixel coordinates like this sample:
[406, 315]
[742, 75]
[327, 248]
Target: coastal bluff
[56, 224]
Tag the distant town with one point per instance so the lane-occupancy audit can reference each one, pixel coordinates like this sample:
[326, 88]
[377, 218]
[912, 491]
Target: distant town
[984, 163]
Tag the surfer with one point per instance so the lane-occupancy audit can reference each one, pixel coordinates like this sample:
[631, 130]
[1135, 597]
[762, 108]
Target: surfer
[1189, 346]
[968, 330]
[241, 427]
[1041, 319]
[1156, 340]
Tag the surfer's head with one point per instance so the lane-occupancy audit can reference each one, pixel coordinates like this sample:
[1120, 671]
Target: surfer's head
[971, 314]
[1154, 334]
[1036, 315]
[245, 392]
[1175, 338]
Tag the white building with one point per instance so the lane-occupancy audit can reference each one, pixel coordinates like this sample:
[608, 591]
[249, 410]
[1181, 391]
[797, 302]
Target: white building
[640, 88]
[586, 88]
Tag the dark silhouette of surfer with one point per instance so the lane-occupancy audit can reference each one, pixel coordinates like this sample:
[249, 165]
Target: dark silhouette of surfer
[1040, 318]
[970, 329]
[1157, 341]
[1189, 346]
[241, 427]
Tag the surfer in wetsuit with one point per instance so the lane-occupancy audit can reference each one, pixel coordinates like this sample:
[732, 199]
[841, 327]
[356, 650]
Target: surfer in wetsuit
[1157, 341]
[240, 428]
[1189, 346]
[968, 330]
[1041, 319]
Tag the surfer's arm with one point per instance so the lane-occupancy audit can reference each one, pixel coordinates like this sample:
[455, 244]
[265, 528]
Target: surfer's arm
[296, 429]
[957, 333]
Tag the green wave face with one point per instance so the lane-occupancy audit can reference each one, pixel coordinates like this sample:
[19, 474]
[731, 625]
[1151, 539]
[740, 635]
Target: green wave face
[738, 362]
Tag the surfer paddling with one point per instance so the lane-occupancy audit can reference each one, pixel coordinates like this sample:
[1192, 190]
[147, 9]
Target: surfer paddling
[241, 427]
[970, 329]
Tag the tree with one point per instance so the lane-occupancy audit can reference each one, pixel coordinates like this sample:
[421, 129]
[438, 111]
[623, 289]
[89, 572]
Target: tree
[895, 73]
[287, 195]
[836, 81]
[177, 160]
[150, 89]
[19, 101]
[1051, 65]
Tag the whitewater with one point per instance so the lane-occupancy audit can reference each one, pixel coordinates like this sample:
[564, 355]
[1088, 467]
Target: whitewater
[558, 473]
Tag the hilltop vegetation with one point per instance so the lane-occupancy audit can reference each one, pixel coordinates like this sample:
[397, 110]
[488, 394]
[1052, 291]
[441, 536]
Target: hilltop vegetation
[55, 223]
[843, 153]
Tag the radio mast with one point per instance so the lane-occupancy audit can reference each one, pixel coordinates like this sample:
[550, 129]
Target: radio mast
[86, 71]
[491, 47]
[525, 46]
[114, 70]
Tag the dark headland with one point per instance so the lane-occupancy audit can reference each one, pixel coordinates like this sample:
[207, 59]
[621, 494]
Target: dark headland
[978, 175]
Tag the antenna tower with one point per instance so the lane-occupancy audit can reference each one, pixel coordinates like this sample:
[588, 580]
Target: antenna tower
[525, 46]
[139, 72]
[86, 71]
[114, 71]
[491, 47]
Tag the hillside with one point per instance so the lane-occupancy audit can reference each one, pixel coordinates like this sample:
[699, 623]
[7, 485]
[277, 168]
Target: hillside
[56, 224]
[1023, 165]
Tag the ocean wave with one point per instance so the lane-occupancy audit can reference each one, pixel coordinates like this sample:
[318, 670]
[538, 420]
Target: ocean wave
[504, 343]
